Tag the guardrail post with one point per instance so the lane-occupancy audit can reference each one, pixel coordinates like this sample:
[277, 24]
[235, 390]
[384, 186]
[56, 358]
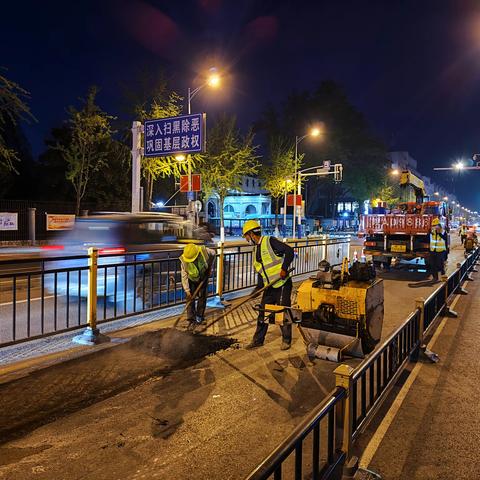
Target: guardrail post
[460, 289]
[446, 309]
[344, 414]
[91, 335]
[420, 306]
[217, 301]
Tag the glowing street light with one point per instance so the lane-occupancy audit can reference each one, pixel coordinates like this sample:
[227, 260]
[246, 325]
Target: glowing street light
[436, 194]
[213, 80]
[314, 132]
[395, 171]
[445, 198]
[180, 157]
[459, 166]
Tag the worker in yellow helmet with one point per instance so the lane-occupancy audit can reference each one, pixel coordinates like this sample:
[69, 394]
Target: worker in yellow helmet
[438, 249]
[271, 259]
[462, 232]
[197, 262]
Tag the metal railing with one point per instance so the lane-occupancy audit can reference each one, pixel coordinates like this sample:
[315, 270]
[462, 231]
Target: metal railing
[48, 296]
[312, 449]
[365, 387]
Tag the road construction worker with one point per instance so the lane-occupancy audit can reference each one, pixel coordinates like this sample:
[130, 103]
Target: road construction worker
[438, 249]
[471, 241]
[197, 262]
[272, 259]
[462, 232]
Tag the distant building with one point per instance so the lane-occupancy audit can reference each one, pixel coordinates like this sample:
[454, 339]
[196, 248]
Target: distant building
[251, 202]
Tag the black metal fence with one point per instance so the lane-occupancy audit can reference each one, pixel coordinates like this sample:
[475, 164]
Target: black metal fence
[363, 389]
[313, 449]
[47, 296]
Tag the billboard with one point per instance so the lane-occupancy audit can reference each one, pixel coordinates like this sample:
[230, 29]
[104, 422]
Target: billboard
[60, 221]
[175, 135]
[8, 221]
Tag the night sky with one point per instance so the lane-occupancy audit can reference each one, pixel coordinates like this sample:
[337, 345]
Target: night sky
[412, 66]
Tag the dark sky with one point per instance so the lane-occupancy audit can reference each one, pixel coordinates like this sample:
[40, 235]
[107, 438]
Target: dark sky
[412, 66]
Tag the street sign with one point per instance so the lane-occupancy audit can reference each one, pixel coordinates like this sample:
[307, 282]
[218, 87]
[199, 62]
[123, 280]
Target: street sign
[175, 135]
[196, 183]
[198, 206]
[291, 200]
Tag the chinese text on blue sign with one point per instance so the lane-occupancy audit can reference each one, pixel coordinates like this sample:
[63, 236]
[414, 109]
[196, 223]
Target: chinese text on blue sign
[173, 135]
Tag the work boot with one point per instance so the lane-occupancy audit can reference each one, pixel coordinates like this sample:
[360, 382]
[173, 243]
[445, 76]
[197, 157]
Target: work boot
[285, 345]
[253, 345]
[199, 320]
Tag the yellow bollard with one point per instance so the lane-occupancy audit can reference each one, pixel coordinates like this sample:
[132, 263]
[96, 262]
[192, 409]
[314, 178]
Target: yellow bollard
[92, 288]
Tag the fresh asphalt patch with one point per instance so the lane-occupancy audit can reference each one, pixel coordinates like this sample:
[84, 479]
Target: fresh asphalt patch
[58, 390]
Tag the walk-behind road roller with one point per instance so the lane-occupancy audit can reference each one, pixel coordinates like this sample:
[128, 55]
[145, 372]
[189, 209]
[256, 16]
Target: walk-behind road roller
[337, 313]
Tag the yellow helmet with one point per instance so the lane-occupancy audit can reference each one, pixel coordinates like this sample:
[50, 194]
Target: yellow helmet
[435, 222]
[250, 225]
[190, 253]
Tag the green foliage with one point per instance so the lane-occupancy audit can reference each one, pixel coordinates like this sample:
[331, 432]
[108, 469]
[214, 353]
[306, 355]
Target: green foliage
[346, 139]
[85, 152]
[388, 191]
[229, 157]
[279, 172]
[12, 109]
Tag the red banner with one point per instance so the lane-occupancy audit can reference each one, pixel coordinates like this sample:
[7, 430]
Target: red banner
[408, 224]
[291, 199]
[196, 183]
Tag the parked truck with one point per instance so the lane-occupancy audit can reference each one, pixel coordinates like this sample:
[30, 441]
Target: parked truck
[404, 231]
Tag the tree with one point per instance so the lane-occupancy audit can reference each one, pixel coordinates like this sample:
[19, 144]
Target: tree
[85, 150]
[279, 172]
[229, 157]
[154, 99]
[12, 109]
[346, 139]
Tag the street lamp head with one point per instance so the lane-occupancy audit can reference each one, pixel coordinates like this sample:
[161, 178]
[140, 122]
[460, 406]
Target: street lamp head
[395, 171]
[436, 194]
[315, 132]
[213, 79]
[445, 198]
[458, 166]
[180, 157]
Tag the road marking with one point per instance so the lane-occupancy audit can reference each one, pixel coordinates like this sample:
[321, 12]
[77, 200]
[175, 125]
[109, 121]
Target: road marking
[382, 429]
[31, 300]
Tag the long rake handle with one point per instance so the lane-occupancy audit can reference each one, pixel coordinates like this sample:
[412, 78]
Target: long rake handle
[238, 305]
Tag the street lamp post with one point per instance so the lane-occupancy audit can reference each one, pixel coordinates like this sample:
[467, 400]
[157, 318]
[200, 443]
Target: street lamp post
[315, 132]
[213, 81]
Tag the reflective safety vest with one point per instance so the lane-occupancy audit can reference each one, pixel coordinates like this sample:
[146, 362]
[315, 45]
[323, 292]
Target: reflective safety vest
[270, 265]
[196, 270]
[463, 230]
[437, 243]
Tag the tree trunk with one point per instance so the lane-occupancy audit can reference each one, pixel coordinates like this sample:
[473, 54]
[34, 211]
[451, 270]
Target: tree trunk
[77, 208]
[277, 201]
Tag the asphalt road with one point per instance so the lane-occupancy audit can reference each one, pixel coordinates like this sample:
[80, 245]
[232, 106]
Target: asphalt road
[135, 415]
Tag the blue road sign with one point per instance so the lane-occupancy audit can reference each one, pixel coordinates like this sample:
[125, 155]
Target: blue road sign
[175, 135]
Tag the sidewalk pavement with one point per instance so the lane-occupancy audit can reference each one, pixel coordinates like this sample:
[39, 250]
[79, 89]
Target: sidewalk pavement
[432, 428]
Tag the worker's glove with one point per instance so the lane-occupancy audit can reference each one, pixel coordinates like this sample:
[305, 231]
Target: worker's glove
[283, 274]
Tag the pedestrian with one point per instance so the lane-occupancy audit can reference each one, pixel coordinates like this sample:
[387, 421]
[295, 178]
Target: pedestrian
[197, 262]
[462, 232]
[438, 248]
[271, 259]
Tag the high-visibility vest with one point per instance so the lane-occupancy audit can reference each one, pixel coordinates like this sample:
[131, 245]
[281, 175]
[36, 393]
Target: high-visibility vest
[463, 230]
[197, 269]
[270, 265]
[437, 243]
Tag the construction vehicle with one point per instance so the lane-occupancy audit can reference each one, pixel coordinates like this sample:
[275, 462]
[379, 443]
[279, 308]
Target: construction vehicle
[404, 231]
[337, 313]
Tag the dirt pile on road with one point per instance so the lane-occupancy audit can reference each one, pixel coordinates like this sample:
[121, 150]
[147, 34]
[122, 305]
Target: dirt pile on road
[179, 346]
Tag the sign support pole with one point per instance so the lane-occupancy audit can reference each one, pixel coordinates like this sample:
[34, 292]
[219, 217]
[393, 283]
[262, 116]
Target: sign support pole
[136, 164]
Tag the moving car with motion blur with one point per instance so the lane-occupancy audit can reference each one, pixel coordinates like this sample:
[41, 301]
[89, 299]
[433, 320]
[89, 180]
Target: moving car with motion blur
[137, 253]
